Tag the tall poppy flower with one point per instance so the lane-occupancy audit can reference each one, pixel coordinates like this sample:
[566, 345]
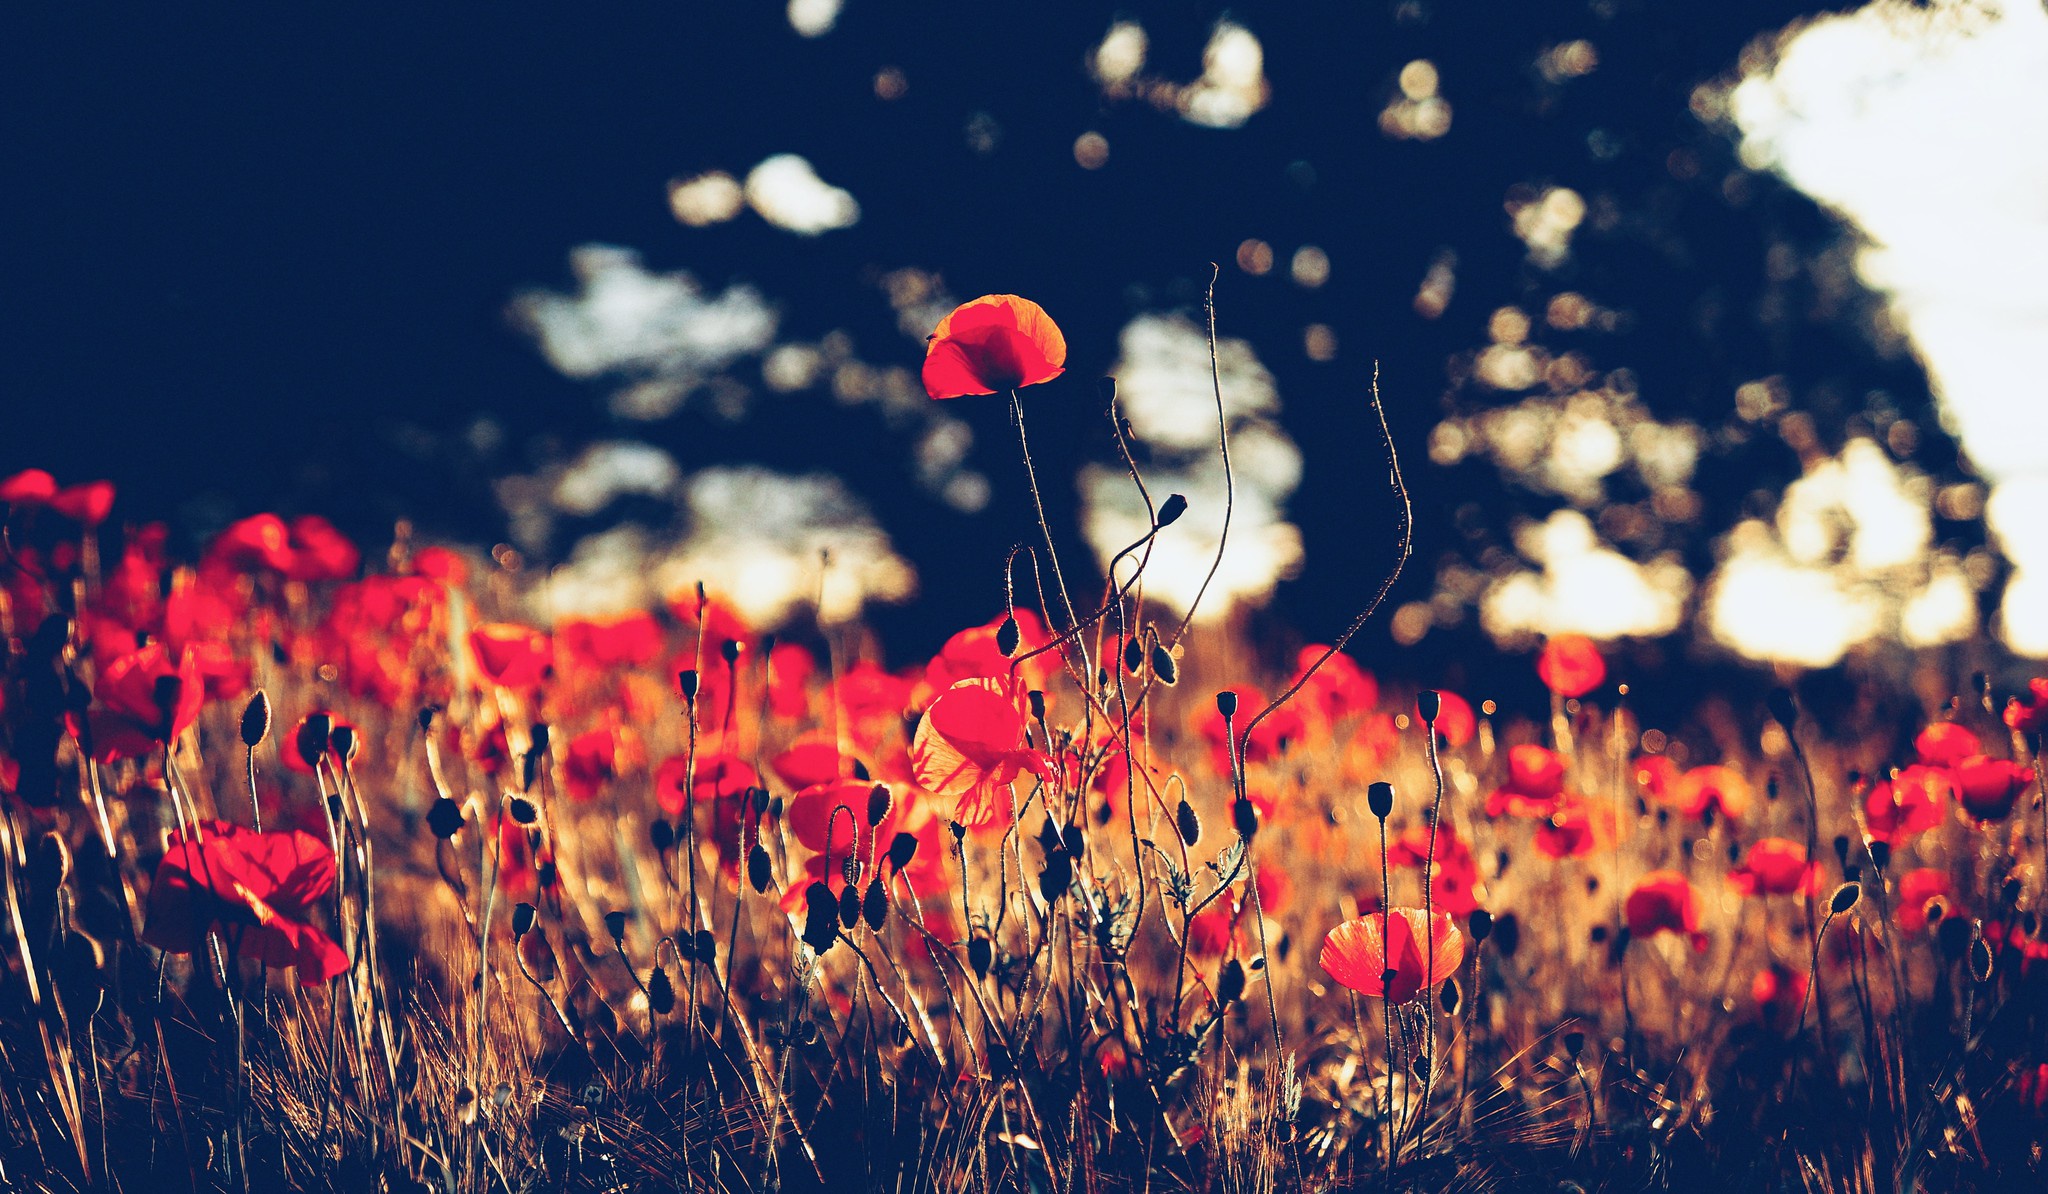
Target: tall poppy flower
[1383, 956]
[1535, 783]
[2028, 712]
[1909, 804]
[1775, 866]
[29, 487]
[89, 503]
[996, 342]
[261, 888]
[1720, 787]
[970, 746]
[1663, 902]
[1571, 666]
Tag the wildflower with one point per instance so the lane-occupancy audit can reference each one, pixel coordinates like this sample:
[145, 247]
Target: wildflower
[320, 552]
[1663, 902]
[1775, 866]
[1382, 955]
[260, 541]
[1455, 723]
[1778, 991]
[1656, 775]
[1574, 829]
[1909, 804]
[996, 342]
[590, 763]
[1917, 889]
[263, 886]
[1944, 744]
[1535, 781]
[146, 699]
[29, 487]
[1987, 788]
[510, 655]
[1339, 689]
[89, 503]
[2027, 713]
[790, 668]
[974, 652]
[814, 758]
[970, 746]
[1571, 666]
[1718, 787]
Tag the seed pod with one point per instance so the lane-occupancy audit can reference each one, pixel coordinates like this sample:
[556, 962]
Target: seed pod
[522, 810]
[542, 736]
[1449, 997]
[849, 906]
[615, 924]
[1479, 925]
[707, 946]
[662, 836]
[959, 831]
[1226, 704]
[1163, 665]
[849, 869]
[256, 720]
[760, 800]
[1230, 983]
[2009, 892]
[445, 818]
[346, 742]
[1134, 656]
[1189, 825]
[1057, 876]
[821, 920]
[1170, 510]
[1845, 898]
[874, 906]
[686, 683]
[759, 871]
[1008, 636]
[729, 650]
[902, 848]
[1880, 855]
[980, 955]
[1429, 702]
[1783, 709]
[1036, 699]
[878, 804]
[1245, 817]
[661, 994]
[1379, 797]
[311, 741]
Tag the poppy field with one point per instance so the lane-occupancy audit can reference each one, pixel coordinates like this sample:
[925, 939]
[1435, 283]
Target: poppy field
[335, 865]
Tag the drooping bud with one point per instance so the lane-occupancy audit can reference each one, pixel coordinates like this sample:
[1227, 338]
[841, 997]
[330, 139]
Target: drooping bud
[878, 804]
[1008, 636]
[1057, 876]
[312, 738]
[1189, 825]
[615, 924]
[980, 955]
[759, 871]
[522, 918]
[1429, 702]
[821, 920]
[1163, 665]
[849, 906]
[661, 994]
[1245, 818]
[1134, 656]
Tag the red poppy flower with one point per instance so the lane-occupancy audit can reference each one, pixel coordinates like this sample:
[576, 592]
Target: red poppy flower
[996, 342]
[510, 655]
[146, 698]
[790, 668]
[1575, 829]
[439, 563]
[1454, 877]
[262, 889]
[258, 541]
[719, 777]
[1535, 781]
[871, 699]
[630, 640]
[1340, 688]
[89, 503]
[1944, 744]
[970, 746]
[29, 487]
[1987, 788]
[2028, 712]
[1910, 804]
[1571, 666]
[590, 763]
[1775, 866]
[1917, 889]
[1266, 741]
[974, 652]
[1722, 788]
[813, 758]
[1663, 902]
[319, 552]
[1363, 952]
[1657, 776]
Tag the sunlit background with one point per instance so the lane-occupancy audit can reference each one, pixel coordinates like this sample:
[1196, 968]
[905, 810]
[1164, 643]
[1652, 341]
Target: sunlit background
[1716, 332]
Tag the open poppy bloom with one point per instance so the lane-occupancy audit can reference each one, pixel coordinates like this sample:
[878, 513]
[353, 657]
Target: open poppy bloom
[1909, 804]
[89, 503]
[1383, 956]
[146, 699]
[1917, 889]
[590, 763]
[260, 541]
[1944, 744]
[1663, 902]
[975, 652]
[510, 655]
[1987, 788]
[1775, 866]
[29, 487]
[970, 746]
[1721, 788]
[1570, 665]
[320, 552]
[2028, 712]
[1535, 783]
[996, 342]
[261, 889]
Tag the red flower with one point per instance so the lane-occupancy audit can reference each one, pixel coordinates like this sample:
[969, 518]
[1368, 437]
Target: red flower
[790, 668]
[630, 640]
[262, 889]
[813, 758]
[1663, 902]
[1455, 723]
[1339, 688]
[1657, 776]
[970, 746]
[1453, 876]
[1571, 666]
[1574, 830]
[1909, 805]
[1987, 788]
[1775, 866]
[439, 563]
[591, 763]
[2028, 712]
[510, 655]
[29, 487]
[973, 652]
[319, 552]
[996, 342]
[1944, 744]
[146, 699]
[719, 777]
[1779, 992]
[1721, 788]
[1266, 741]
[258, 541]
[1535, 781]
[1383, 957]
[89, 503]
[1917, 889]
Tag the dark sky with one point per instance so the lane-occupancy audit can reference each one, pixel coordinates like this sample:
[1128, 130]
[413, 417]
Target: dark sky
[254, 249]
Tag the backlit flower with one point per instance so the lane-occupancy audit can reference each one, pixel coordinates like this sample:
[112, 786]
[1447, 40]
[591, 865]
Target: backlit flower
[996, 342]
[970, 746]
[1663, 902]
[1571, 666]
[1987, 788]
[261, 889]
[1385, 957]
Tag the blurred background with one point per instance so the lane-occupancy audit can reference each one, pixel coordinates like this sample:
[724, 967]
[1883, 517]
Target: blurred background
[1714, 331]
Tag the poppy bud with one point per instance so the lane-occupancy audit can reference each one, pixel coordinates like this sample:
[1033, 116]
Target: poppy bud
[444, 818]
[902, 848]
[1842, 849]
[1449, 997]
[1048, 835]
[729, 650]
[1845, 898]
[545, 874]
[1057, 876]
[615, 924]
[1573, 1042]
[1379, 797]
[1230, 983]
[661, 994]
[542, 735]
[1134, 655]
[874, 906]
[425, 717]
[980, 955]
[849, 868]
[1037, 700]
[256, 720]
[662, 836]
[1429, 702]
[878, 804]
[522, 810]
[758, 871]
[345, 742]
[1507, 934]
[312, 738]
[1190, 826]
[686, 681]
[1008, 636]
[1783, 709]
[1072, 838]
[1479, 925]
[1880, 854]
[760, 801]
[1226, 704]
[1245, 818]
[849, 905]
[522, 918]
[1980, 960]
[1163, 665]
[707, 946]
[821, 922]
[959, 830]
[1170, 510]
